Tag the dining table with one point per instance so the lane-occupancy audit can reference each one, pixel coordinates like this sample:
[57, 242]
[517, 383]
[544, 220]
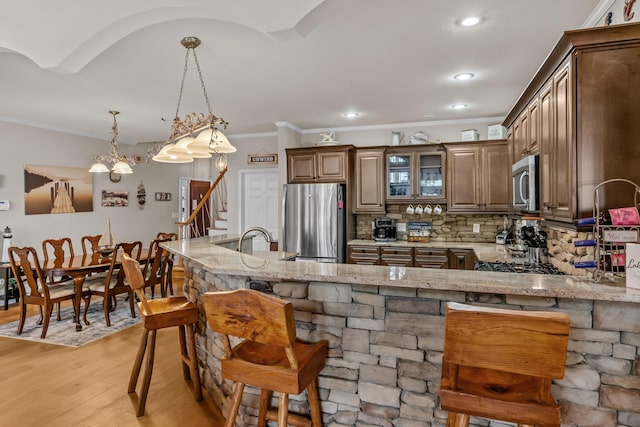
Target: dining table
[78, 267]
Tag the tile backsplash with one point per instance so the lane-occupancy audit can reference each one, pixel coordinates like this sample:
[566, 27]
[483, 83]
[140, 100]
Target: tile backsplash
[445, 227]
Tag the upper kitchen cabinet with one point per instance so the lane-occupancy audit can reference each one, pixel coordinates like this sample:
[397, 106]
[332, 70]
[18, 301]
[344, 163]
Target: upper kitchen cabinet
[416, 174]
[319, 164]
[585, 95]
[478, 177]
[369, 180]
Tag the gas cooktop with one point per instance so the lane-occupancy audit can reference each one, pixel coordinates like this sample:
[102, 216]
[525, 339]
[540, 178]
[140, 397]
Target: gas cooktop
[512, 267]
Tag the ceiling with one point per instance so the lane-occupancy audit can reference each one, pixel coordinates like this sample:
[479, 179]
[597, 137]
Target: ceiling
[65, 64]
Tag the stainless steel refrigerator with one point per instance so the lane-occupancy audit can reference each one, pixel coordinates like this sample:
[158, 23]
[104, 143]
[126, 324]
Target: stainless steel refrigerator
[314, 221]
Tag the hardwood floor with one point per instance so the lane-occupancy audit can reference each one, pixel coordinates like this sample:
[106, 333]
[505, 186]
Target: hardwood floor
[50, 385]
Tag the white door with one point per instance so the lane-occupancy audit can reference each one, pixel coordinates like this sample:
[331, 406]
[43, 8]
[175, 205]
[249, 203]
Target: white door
[259, 203]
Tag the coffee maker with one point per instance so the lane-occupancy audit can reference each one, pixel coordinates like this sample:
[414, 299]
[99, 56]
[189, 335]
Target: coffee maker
[384, 230]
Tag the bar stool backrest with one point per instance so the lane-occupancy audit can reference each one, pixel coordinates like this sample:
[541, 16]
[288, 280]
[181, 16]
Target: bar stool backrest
[254, 316]
[499, 363]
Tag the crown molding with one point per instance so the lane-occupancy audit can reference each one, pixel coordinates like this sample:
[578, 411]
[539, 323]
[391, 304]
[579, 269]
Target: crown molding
[497, 119]
[252, 135]
[288, 125]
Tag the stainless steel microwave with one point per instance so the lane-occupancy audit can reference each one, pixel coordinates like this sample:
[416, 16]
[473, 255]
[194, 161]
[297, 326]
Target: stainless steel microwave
[526, 183]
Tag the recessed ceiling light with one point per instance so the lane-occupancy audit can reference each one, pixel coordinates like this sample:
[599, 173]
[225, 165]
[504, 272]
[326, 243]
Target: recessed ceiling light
[351, 115]
[459, 106]
[464, 76]
[470, 21]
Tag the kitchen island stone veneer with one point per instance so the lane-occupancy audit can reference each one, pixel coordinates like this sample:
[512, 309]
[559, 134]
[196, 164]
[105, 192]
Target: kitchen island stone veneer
[385, 329]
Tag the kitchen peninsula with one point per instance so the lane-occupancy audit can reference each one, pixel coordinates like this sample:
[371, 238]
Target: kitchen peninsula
[385, 328]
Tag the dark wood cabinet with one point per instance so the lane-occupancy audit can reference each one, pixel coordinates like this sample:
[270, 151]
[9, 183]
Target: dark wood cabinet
[408, 256]
[319, 164]
[587, 91]
[301, 167]
[533, 128]
[462, 259]
[556, 166]
[521, 136]
[479, 177]
[369, 181]
[431, 258]
[400, 256]
[416, 174]
[363, 255]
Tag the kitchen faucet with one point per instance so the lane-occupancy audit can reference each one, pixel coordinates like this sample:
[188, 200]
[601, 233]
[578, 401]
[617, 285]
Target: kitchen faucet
[267, 235]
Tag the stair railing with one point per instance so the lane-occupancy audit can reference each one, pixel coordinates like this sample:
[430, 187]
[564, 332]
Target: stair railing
[192, 227]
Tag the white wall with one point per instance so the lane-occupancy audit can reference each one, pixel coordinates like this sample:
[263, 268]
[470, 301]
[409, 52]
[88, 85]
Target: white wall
[237, 162]
[617, 17]
[22, 145]
[436, 131]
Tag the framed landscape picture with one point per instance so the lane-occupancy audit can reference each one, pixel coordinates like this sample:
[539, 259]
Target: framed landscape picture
[115, 198]
[57, 189]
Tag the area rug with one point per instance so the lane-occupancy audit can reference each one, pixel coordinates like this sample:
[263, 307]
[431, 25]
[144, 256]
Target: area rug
[63, 332]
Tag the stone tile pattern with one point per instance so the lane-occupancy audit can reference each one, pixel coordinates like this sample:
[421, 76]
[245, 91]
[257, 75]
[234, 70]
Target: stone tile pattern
[386, 347]
[445, 227]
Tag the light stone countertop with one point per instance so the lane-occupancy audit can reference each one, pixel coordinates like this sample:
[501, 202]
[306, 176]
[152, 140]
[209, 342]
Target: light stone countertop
[484, 251]
[216, 259]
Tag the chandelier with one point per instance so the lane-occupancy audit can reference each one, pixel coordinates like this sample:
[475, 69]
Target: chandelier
[197, 135]
[121, 164]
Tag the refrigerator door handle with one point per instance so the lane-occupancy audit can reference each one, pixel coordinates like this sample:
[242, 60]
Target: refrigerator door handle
[284, 206]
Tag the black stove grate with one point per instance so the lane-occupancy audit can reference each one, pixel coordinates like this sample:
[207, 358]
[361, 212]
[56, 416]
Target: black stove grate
[512, 267]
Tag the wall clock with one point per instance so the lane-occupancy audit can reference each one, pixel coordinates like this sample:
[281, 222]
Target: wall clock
[114, 176]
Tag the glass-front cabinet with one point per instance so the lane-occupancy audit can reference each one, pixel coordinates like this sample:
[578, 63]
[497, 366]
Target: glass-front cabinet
[416, 174]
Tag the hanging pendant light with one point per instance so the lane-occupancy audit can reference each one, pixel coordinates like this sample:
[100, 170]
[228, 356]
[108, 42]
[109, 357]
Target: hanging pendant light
[164, 157]
[121, 164]
[183, 148]
[221, 162]
[214, 140]
[193, 125]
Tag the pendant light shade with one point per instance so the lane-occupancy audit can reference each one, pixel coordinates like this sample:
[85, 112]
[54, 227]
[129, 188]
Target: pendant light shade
[122, 167]
[164, 157]
[98, 167]
[215, 140]
[183, 148]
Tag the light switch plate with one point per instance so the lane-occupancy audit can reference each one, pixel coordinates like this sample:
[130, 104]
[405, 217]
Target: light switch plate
[4, 205]
[476, 228]
[401, 226]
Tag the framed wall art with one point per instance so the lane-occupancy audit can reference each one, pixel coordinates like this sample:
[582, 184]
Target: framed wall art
[57, 189]
[115, 198]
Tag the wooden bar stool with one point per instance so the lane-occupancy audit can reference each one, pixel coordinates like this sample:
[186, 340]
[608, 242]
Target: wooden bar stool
[269, 358]
[499, 364]
[158, 314]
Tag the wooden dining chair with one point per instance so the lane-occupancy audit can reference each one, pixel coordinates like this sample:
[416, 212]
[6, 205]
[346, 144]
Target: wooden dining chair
[159, 314]
[269, 358]
[169, 259]
[499, 363]
[156, 267]
[37, 288]
[114, 283]
[90, 244]
[58, 250]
